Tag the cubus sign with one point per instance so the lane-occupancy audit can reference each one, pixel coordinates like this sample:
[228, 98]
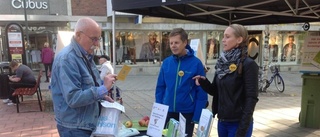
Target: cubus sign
[30, 4]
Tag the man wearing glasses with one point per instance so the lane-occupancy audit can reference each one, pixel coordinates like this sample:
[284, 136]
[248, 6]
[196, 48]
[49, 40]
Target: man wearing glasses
[76, 85]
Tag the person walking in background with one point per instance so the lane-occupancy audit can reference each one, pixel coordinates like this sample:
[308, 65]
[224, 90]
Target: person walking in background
[24, 78]
[175, 86]
[76, 86]
[47, 55]
[234, 104]
[106, 69]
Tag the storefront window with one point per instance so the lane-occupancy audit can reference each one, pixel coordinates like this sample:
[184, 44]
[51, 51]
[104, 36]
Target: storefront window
[165, 45]
[134, 46]
[274, 48]
[212, 45]
[144, 46]
[285, 47]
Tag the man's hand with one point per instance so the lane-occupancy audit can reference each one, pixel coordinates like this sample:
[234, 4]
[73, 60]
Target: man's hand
[108, 98]
[109, 80]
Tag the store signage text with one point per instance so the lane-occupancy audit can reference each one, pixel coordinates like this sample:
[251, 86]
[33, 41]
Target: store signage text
[30, 4]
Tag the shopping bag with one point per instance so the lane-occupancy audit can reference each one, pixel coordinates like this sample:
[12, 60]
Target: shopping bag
[108, 122]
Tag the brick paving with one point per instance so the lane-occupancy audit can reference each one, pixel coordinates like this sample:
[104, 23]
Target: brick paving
[276, 114]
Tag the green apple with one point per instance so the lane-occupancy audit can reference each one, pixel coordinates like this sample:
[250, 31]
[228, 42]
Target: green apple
[128, 124]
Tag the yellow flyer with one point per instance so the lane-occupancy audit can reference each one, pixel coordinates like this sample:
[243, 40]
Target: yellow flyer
[123, 72]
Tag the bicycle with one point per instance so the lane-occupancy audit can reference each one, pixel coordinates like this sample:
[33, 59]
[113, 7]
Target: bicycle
[265, 83]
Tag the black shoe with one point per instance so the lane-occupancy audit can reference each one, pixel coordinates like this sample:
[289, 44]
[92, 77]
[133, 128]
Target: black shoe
[47, 81]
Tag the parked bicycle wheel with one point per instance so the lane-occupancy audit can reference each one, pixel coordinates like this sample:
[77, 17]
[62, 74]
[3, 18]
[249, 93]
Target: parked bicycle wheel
[279, 83]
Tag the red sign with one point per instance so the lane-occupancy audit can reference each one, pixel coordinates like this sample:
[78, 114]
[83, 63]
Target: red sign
[16, 50]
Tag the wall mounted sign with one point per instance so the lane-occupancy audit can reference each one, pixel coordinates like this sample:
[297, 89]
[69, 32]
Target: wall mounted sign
[15, 42]
[30, 4]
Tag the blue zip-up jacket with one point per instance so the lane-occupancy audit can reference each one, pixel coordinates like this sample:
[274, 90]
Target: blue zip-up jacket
[74, 94]
[177, 89]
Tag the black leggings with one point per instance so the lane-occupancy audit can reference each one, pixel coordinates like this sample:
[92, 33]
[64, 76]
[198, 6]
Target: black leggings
[15, 85]
[47, 68]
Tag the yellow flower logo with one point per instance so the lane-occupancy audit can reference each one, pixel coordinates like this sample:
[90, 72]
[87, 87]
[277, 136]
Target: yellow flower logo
[180, 73]
[233, 67]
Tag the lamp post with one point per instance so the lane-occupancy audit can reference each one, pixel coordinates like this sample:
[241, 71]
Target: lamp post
[26, 21]
[27, 33]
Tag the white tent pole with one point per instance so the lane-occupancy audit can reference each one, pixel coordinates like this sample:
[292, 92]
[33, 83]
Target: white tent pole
[265, 52]
[113, 42]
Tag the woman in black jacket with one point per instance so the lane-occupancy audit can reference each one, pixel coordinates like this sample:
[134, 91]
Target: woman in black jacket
[235, 85]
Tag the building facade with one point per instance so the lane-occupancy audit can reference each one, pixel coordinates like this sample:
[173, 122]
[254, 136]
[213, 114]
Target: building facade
[140, 40]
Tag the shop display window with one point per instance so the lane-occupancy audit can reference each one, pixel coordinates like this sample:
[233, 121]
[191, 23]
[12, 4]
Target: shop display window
[144, 46]
[285, 46]
[212, 45]
[274, 48]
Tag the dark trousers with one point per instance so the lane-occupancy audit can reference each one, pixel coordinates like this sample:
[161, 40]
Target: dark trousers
[73, 132]
[47, 68]
[189, 123]
[15, 85]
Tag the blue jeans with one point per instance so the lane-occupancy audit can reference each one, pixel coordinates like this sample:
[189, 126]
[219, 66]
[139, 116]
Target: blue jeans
[229, 129]
[73, 132]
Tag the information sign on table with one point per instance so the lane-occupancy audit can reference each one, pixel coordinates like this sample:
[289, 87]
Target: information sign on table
[157, 119]
[182, 125]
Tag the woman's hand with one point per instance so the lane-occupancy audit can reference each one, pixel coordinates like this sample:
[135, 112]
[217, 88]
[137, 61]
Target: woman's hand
[197, 79]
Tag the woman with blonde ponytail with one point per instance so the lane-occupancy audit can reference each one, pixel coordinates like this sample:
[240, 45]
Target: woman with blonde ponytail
[235, 85]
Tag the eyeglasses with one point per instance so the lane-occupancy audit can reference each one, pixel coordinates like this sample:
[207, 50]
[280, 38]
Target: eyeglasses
[94, 39]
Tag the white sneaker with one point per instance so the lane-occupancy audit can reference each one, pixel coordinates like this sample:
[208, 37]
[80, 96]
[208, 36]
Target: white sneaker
[6, 101]
[11, 104]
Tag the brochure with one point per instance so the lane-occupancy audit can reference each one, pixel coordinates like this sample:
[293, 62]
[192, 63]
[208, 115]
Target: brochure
[205, 123]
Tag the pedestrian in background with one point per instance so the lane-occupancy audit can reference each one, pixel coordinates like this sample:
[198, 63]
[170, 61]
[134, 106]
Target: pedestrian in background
[23, 78]
[175, 86]
[106, 67]
[235, 85]
[76, 86]
[47, 55]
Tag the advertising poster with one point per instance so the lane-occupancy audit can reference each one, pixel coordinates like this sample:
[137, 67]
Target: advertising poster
[311, 55]
[196, 46]
[15, 39]
[17, 57]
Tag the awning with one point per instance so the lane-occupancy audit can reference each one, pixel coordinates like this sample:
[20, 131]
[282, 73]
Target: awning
[225, 12]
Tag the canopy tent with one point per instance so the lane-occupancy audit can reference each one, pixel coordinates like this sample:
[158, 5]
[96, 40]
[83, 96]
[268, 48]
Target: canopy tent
[225, 12]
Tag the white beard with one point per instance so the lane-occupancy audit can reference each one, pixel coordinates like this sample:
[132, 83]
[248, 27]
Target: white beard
[93, 47]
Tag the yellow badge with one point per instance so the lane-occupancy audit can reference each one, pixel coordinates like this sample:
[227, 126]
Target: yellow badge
[180, 73]
[233, 67]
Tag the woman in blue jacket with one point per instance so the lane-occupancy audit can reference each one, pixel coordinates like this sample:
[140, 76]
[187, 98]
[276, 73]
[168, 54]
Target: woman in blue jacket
[235, 85]
[175, 86]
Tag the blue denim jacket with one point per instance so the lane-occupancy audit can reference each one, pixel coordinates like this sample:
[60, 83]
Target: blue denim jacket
[74, 94]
